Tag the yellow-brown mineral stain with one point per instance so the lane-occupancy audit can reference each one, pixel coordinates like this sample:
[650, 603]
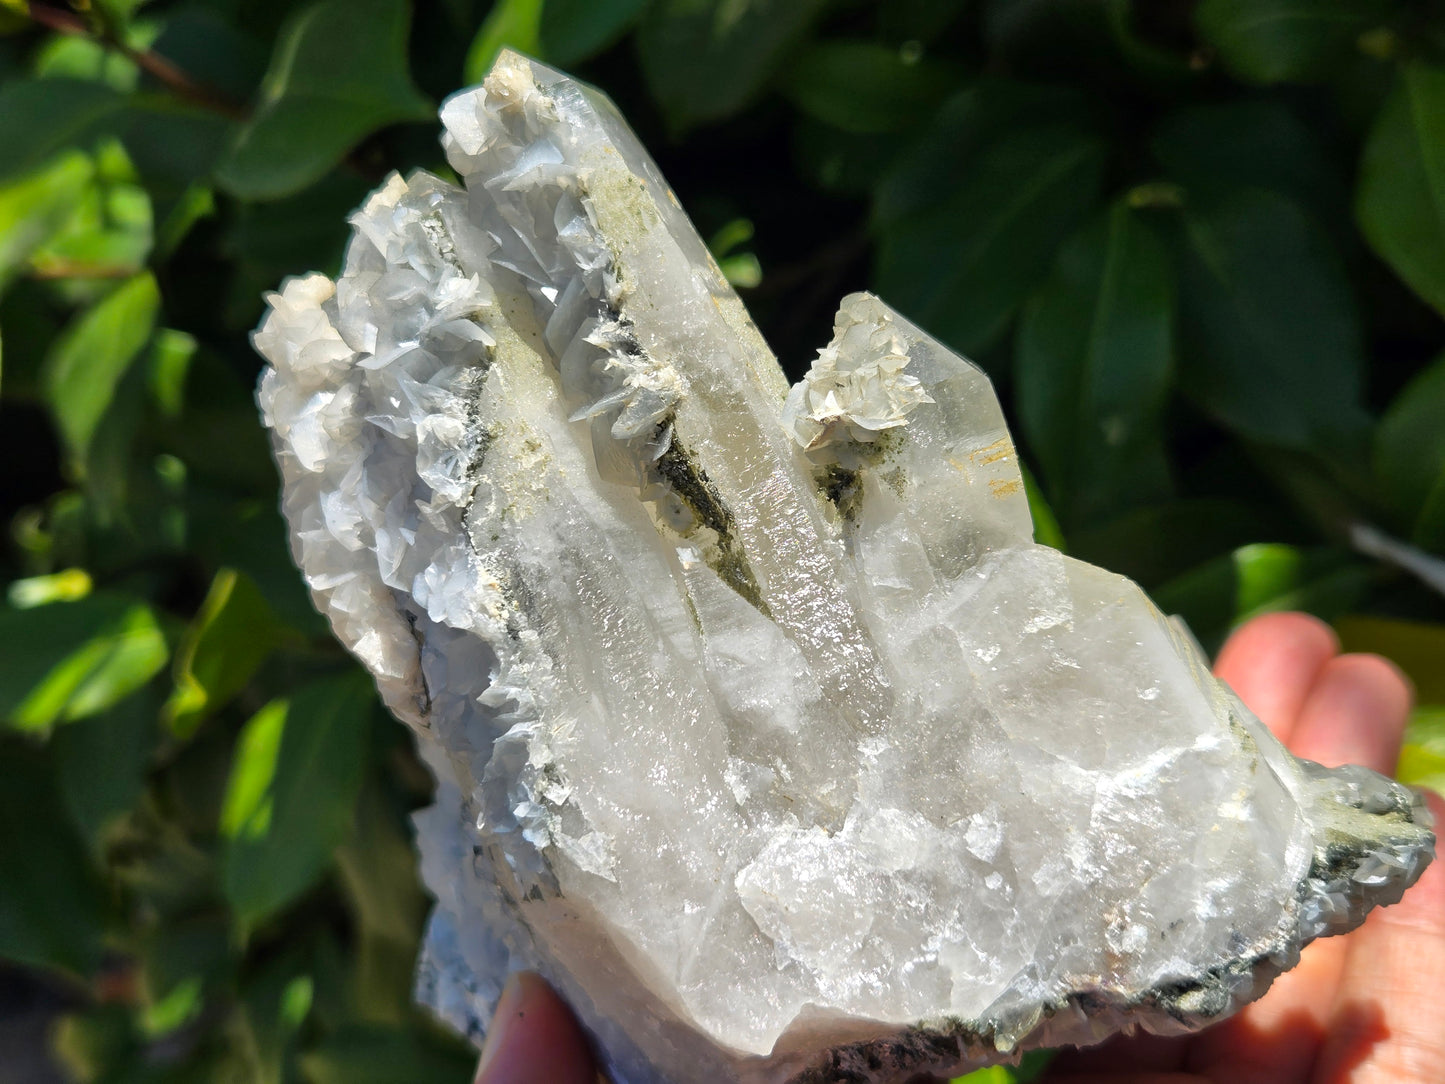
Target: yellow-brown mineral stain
[1004, 487]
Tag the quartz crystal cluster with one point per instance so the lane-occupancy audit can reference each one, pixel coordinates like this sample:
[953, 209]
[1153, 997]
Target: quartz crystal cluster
[761, 726]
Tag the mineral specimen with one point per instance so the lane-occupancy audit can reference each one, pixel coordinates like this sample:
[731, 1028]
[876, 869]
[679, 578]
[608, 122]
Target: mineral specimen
[761, 726]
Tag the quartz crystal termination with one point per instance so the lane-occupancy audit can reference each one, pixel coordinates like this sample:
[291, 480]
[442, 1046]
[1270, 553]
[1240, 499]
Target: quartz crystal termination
[760, 725]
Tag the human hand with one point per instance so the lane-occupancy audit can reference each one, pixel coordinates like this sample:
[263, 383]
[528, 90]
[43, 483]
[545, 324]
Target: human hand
[1365, 1008]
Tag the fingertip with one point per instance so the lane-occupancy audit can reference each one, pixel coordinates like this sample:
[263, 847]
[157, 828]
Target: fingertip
[534, 1038]
[1271, 661]
[1355, 713]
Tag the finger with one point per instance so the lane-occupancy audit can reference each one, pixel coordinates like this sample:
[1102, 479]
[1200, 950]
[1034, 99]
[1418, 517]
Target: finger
[1389, 1019]
[534, 1039]
[1141, 1055]
[1272, 661]
[1279, 1036]
[1354, 714]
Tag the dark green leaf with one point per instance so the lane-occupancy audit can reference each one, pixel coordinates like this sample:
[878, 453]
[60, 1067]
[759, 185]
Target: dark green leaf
[1262, 578]
[1271, 341]
[41, 117]
[385, 1056]
[1152, 545]
[574, 30]
[338, 73]
[1401, 200]
[511, 24]
[1252, 143]
[1410, 457]
[292, 790]
[101, 764]
[1277, 41]
[51, 911]
[964, 126]
[69, 660]
[962, 266]
[1095, 350]
[232, 634]
[706, 59]
[861, 86]
[87, 363]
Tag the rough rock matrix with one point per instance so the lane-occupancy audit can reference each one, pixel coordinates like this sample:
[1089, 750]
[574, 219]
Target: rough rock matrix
[761, 726]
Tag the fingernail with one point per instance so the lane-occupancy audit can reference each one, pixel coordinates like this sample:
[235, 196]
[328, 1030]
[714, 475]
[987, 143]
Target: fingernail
[502, 1021]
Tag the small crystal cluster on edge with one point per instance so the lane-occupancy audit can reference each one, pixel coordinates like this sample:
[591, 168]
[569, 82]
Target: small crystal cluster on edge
[761, 726]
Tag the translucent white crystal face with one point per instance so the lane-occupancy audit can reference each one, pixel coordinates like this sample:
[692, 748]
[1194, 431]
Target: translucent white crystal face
[760, 724]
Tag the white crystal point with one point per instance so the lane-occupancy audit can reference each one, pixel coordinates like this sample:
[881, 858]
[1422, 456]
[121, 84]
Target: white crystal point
[761, 727]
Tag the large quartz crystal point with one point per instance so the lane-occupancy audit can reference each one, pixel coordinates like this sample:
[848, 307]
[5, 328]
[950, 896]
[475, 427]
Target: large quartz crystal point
[761, 726]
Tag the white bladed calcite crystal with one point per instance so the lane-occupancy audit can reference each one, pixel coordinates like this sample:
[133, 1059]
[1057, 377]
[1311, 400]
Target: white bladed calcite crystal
[761, 726]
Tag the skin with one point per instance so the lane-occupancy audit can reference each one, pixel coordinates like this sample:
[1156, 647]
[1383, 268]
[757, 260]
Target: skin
[1367, 1008]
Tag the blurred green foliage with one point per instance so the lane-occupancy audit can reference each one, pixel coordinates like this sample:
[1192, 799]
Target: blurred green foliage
[1199, 246]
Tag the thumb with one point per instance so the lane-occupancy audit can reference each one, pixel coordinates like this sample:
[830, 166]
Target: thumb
[534, 1039]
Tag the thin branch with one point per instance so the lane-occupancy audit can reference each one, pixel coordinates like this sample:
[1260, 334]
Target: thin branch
[165, 72]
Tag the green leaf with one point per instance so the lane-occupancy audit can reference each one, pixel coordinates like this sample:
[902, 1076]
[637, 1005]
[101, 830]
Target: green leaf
[385, 1056]
[1046, 525]
[1252, 143]
[292, 791]
[110, 232]
[101, 763]
[1410, 457]
[338, 74]
[36, 208]
[511, 24]
[862, 86]
[41, 117]
[573, 30]
[70, 660]
[1095, 351]
[1263, 578]
[1271, 341]
[86, 364]
[1278, 41]
[706, 59]
[51, 908]
[1401, 198]
[962, 266]
[1154, 544]
[231, 636]
[1415, 646]
[959, 133]
[1421, 767]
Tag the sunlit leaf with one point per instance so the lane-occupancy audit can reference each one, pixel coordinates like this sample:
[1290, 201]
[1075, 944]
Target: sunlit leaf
[87, 363]
[232, 634]
[338, 73]
[511, 24]
[34, 209]
[1401, 198]
[1275, 41]
[293, 786]
[69, 660]
[1095, 351]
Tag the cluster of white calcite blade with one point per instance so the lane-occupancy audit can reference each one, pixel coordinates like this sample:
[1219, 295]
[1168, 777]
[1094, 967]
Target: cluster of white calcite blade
[761, 727]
